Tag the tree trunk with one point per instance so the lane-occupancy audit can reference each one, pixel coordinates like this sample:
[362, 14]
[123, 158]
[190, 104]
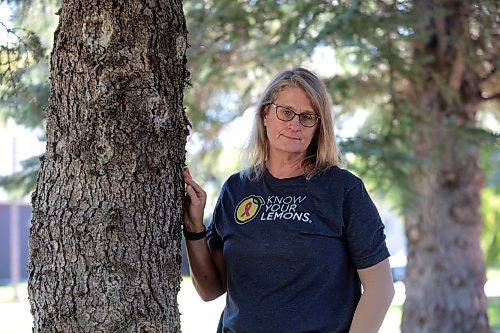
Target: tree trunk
[446, 273]
[105, 236]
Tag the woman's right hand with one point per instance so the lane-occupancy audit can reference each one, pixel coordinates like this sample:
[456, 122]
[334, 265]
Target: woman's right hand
[196, 199]
[208, 270]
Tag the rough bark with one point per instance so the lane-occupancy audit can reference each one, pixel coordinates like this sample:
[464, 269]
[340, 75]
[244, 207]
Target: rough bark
[105, 236]
[446, 272]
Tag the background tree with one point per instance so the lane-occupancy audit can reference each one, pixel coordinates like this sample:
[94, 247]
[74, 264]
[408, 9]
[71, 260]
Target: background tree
[444, 256]
[105, 236]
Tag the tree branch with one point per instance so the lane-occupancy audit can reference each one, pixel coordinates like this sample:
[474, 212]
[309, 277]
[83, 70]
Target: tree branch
[458, 66]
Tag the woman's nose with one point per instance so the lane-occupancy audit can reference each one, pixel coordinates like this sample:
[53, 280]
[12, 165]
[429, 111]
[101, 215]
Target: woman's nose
[294, 123]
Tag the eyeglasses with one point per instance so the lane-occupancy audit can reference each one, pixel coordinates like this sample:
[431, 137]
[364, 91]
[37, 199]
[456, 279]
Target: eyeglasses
[286, 114]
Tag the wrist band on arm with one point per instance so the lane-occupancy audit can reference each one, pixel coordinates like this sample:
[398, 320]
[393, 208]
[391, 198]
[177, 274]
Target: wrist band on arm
[194, 235]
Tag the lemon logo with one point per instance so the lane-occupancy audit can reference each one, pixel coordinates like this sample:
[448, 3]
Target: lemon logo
[248, 208]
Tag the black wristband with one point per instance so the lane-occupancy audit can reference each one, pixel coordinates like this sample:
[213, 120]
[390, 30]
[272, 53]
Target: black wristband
[194, 235]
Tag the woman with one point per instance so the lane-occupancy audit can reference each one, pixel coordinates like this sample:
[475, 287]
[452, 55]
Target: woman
[293, 237]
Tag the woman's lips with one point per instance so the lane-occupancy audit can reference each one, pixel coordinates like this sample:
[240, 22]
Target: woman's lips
[290, 137]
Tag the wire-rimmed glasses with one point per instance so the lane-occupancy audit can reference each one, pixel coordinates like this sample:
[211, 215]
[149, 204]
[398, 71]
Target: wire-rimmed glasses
[286, 114]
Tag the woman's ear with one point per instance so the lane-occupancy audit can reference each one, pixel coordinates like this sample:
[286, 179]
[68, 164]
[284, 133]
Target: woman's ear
[265, 113]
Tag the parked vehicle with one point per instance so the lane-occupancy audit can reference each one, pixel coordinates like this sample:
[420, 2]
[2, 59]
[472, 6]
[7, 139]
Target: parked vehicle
[398, 273]
[398, 266]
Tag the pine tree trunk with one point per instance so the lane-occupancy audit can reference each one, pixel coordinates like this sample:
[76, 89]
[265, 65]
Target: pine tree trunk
[446, 272]
[105, 237]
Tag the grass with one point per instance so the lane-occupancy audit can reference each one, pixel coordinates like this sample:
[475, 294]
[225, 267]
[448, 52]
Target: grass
[394, 315]
[494, 312]
[493, 273]
[7, 293]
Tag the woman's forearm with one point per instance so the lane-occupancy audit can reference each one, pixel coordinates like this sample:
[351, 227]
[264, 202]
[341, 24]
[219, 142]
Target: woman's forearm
[375, 300]
[206, 269]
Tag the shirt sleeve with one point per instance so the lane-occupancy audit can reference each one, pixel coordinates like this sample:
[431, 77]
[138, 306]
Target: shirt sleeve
[214, 238]
[364, 229]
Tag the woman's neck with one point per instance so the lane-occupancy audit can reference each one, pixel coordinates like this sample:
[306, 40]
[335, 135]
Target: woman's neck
[286, 166]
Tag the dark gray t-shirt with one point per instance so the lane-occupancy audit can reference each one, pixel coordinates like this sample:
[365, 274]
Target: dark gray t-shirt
[292, 248]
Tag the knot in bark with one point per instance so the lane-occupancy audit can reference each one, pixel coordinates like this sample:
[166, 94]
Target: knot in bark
[96, 32]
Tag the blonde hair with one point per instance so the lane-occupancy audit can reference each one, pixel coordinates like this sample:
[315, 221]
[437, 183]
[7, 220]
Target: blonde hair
[322, 153]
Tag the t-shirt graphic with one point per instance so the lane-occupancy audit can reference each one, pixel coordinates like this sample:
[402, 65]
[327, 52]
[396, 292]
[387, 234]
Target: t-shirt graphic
[248, 208]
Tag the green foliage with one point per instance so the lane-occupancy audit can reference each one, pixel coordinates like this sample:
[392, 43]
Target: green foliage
[494, 312]
[490, 240]
[490, 203]
[229, 53]
[16, 57]
[24, 181]
[26, 103]
[24, 83]
[24, 47]
[25, 88]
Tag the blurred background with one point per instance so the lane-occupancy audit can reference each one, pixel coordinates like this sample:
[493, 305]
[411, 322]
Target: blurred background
[369, 55]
